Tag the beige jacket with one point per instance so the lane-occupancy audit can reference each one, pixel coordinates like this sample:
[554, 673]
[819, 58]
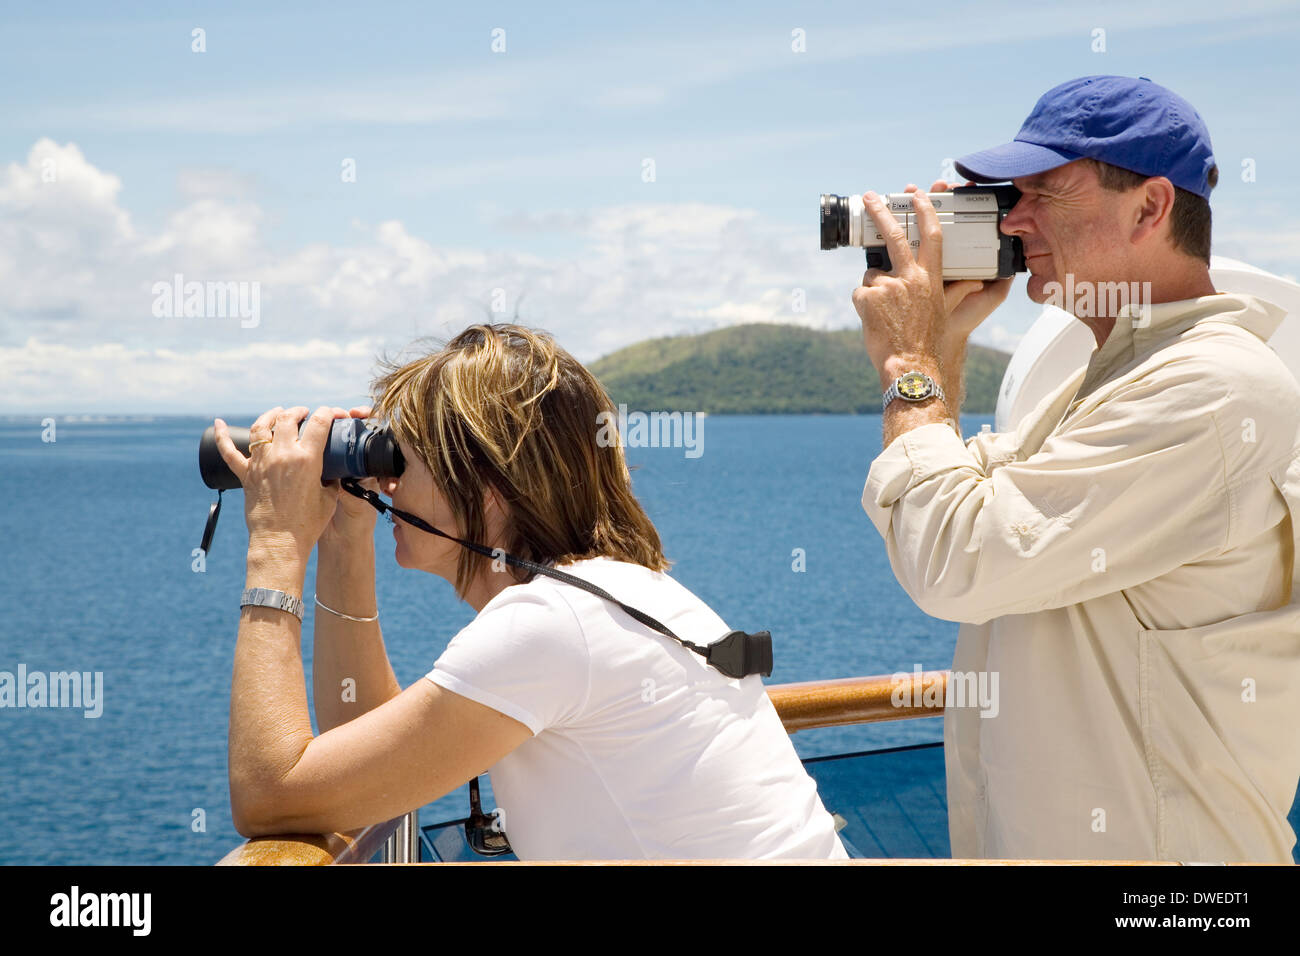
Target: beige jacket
[1124, 563]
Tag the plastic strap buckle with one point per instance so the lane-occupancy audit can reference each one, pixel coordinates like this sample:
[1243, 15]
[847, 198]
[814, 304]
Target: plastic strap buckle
[739, 654]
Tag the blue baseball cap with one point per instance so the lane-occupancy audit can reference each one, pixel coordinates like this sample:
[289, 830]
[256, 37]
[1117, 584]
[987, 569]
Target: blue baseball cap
[1132, 123]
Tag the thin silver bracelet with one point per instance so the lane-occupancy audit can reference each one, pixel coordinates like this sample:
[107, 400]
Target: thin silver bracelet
[347, 617]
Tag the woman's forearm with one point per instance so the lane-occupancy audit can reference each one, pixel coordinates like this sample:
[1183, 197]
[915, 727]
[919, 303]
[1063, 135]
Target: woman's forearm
[351, 673]
[270, 726]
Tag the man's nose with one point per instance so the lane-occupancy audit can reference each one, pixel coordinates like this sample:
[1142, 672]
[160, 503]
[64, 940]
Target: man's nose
[1016, 221]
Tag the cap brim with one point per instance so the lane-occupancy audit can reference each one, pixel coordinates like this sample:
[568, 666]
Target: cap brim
[1011, 161]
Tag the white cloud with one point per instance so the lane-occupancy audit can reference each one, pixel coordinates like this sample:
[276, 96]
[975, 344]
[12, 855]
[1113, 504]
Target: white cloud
[79, 332]
[50, 377]
[60, 222]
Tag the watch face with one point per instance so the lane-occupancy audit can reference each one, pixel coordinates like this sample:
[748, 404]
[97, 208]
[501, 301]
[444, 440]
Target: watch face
[915, 386]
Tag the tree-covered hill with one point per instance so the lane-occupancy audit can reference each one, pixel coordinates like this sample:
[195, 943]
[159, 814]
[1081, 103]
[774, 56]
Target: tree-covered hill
[769, 369]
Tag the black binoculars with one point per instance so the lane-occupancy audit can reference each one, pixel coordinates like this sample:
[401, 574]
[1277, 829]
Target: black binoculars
[354, 450]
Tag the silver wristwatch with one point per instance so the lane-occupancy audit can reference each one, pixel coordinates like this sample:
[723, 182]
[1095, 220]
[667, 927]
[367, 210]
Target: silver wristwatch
[269, 597]
[914, 386]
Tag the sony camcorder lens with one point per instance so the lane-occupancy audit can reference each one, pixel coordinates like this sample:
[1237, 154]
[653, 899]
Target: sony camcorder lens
[835, 221]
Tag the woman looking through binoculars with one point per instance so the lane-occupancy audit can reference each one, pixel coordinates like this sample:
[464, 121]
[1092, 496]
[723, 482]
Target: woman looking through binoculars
[604, 738]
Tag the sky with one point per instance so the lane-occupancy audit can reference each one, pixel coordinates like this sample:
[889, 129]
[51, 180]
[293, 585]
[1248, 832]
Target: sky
[359, 177]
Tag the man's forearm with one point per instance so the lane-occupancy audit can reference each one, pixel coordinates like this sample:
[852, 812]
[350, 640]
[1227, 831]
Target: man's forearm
[952, 361]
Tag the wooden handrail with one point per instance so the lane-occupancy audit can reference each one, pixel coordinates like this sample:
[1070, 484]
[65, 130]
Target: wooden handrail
[356, 846]
[828, 703]
[859, 700]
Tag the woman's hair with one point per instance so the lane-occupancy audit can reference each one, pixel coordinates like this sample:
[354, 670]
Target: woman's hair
[504, 407]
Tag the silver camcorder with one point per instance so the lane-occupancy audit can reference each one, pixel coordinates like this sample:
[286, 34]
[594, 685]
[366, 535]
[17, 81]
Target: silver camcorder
[973, 245]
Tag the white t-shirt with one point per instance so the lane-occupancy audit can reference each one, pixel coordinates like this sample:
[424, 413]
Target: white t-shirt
[640, 750]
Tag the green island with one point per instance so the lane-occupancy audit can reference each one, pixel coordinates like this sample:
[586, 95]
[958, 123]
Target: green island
[764, 369]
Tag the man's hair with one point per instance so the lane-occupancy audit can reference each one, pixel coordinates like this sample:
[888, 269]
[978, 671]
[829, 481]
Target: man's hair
[1189, 220]
[504, 407]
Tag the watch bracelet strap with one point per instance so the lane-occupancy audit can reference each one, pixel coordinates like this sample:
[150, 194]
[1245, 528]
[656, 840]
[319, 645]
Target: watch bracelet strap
[892, 393]
[270, 597]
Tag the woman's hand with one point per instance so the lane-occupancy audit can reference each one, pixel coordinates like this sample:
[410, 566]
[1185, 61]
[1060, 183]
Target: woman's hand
[286, 505]
[354, 519]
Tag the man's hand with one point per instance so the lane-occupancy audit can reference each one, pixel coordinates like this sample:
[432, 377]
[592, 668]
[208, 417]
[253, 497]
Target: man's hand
[911, 312]
[969, 301]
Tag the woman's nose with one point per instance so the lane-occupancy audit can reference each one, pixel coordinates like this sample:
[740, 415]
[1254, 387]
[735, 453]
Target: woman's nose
[388, 485]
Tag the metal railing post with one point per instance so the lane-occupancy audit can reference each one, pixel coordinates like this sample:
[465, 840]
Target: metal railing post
[403, 846]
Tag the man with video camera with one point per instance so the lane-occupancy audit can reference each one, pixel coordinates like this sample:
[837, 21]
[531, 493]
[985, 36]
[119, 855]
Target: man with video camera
[1125, 559]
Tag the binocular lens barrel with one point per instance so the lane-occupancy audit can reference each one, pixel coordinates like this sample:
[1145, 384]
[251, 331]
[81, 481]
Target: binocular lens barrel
[352, 451]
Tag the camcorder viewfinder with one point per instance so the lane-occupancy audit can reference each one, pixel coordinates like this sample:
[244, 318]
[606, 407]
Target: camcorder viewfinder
[970, 216]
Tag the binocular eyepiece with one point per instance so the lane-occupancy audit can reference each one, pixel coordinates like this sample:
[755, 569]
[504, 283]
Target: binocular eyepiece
[354, 450]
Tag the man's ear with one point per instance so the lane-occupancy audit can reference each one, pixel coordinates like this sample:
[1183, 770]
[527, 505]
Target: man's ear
[1155, 207]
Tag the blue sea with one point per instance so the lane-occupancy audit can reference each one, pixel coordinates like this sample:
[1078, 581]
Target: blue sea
[99, 529]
